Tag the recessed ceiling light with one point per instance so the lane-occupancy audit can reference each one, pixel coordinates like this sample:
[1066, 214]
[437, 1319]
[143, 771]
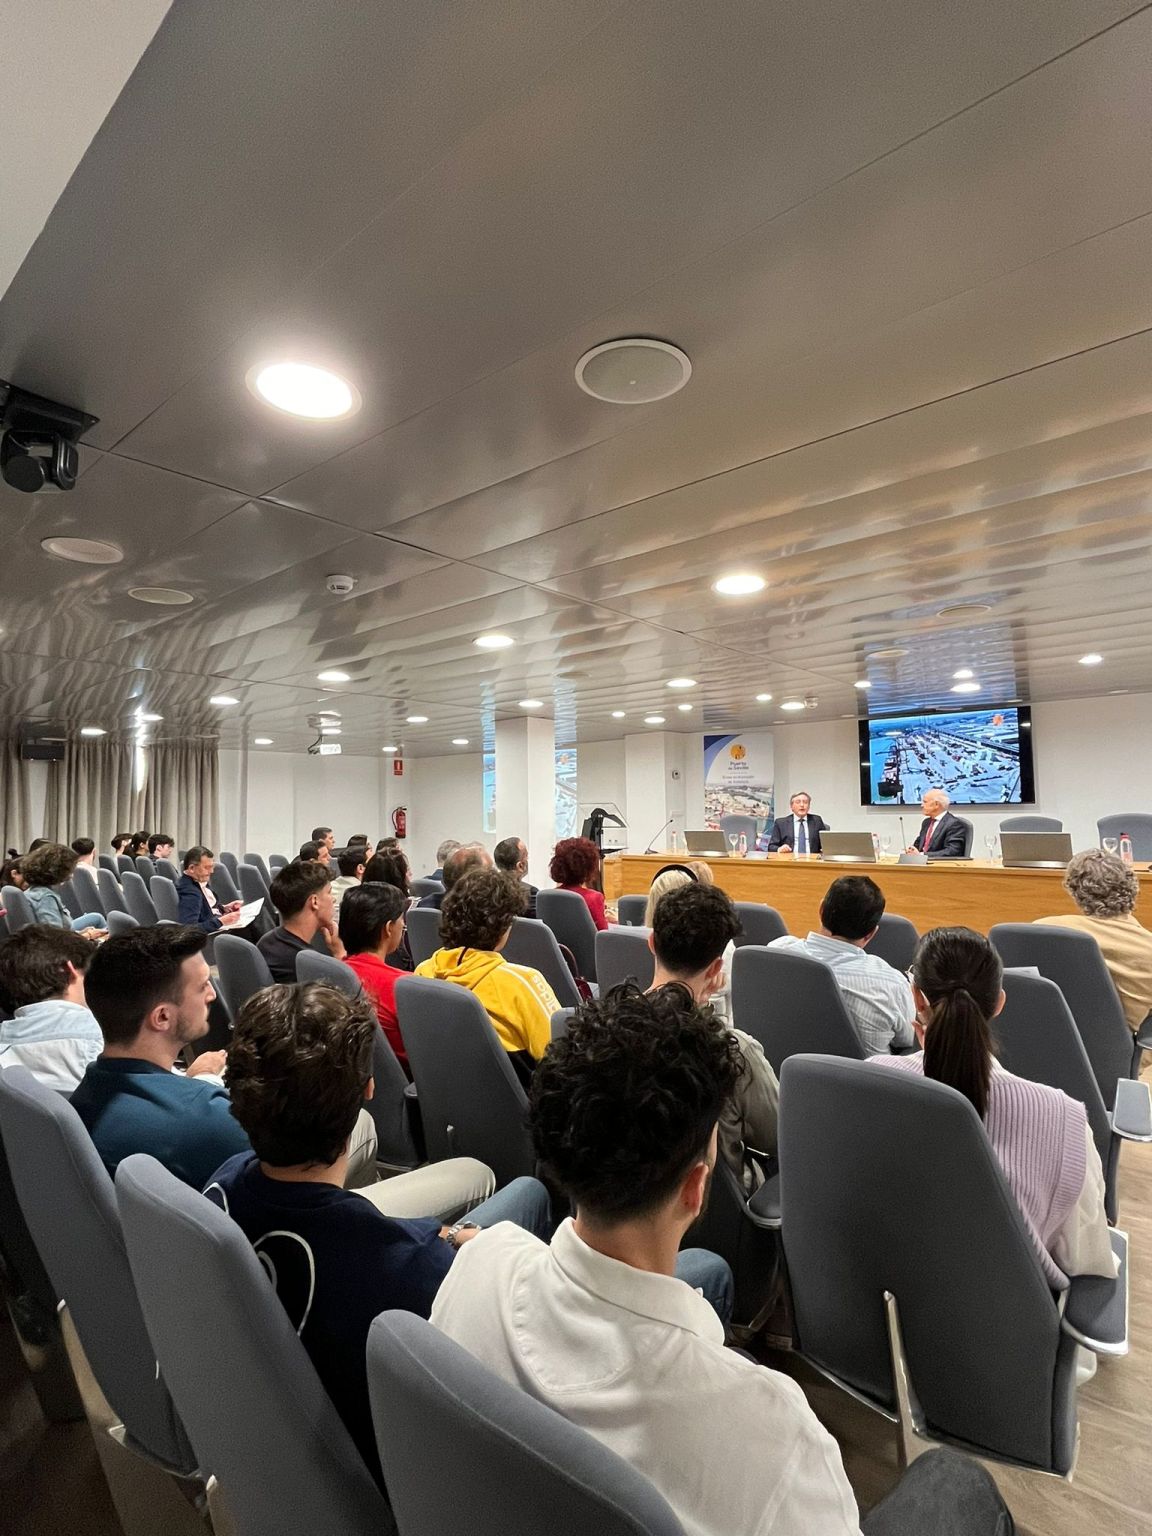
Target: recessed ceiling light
[459, 741]
[417, 719]
[164, 597]
[763, 698]
[531, 703]
[330, 730]
[618, 714]
[653, 719]
[493, 642]
[683, 708]
[83, 551]
[1091, 660]
[963, 674]
[962, 610]
[681, 682]
[389, 749]
[634, 370]
[329, 714]
[92, 730]
[889, 653]
[1117, 690]
[223, 700]
[793, 704]
[333, 677]
[739, 584]
[299, 389]
[966, 688]
[149, 718]
[863, 683]
[262, 741]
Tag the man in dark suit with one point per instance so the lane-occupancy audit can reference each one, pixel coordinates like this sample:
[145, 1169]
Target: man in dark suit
[797, 833]
[198, 905]
[942, 835]
[511, 857]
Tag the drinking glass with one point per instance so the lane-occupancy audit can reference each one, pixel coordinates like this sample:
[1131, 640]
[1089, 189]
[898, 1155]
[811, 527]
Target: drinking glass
[1110, 844]
[886, 843]
[742, 845]
[990, 844]
[733, 839]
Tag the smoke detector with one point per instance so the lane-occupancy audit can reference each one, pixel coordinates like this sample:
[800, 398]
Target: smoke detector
[633, 370]
[339, 586]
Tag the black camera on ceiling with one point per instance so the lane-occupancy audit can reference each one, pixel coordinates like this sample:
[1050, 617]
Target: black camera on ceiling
[38, 440]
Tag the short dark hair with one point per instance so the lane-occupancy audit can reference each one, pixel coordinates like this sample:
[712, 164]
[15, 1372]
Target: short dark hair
[195, 854]
[692, 926]
[365, 911]
[574, 860]
[134, 972]
[292, 885]
[349, 860]
[320, 833]
[48, 865]
[157, 839]
[388, 866]
[626, 1101]
[506, 854]
[83, 846]
[119, 840]
[34, 963]
[479, 909]
[853, 905]
[360, 837]
[460, 861]
[309, 851]
[298, 1064]
[387, 842]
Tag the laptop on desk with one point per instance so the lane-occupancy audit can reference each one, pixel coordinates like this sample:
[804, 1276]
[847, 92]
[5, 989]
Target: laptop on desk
[1035, 850]
[847, 848]
[708, 844]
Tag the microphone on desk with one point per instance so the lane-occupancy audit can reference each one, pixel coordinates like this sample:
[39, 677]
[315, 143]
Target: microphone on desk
[651, 846]
[903, 834]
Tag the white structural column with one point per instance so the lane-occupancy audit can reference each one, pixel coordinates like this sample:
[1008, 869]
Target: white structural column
[526, 789]
[655, 789]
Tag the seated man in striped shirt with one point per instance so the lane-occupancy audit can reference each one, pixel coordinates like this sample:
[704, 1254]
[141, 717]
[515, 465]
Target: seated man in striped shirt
[878, 998]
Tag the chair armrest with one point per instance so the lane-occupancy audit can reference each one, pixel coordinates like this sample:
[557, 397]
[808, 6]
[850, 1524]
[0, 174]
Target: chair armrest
[764, 1206]
[1144, 1034]
[1096, 1309]
[1132, 1115]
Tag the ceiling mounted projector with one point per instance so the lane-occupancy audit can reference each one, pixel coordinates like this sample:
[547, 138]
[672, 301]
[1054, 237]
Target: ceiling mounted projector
[633, 371]
[38, 442]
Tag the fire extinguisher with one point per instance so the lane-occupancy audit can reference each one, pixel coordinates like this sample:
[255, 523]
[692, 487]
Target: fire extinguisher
[400, 821]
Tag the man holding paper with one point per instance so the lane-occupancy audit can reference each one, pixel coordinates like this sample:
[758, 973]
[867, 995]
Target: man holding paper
[198, 905]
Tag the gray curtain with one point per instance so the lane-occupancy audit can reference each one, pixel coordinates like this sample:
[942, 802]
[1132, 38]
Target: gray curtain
[90, 793]
[181, 793]
[14, 807]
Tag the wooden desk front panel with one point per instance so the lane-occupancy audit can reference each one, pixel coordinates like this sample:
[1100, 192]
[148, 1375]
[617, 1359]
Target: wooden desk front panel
[976, 895]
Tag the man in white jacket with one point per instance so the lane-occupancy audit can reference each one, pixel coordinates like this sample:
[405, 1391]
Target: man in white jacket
[52, 1032]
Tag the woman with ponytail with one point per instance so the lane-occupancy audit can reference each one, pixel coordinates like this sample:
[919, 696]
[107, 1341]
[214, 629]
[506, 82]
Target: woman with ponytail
[1040, 1136]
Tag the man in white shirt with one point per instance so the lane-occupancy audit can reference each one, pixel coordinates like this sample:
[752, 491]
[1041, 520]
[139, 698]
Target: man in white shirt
[878, 998]
[53, 1033]
[350, 862]
[624, 1114]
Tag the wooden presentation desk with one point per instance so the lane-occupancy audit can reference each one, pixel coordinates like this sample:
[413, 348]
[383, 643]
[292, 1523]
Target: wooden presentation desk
[976, 894]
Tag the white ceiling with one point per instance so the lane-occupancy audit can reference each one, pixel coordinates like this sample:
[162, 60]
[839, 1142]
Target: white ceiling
[907, 245]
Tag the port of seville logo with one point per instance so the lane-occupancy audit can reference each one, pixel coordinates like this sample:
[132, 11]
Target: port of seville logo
[737, 751]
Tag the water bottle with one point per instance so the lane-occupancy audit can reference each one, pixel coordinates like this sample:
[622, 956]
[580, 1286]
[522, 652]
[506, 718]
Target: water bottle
[1125, 847]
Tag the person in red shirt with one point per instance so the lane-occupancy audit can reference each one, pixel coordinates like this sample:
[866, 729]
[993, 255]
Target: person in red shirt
[575, 865]
[371, 929]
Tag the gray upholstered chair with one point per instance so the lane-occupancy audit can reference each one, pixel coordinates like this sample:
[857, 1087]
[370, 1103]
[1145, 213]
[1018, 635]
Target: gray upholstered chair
[254, 888]
[790, 1003]
[760, 923]
[165, 898]
[425, 887]
[230, 862]
[107, 861]
[568, 916]
[144, 867]
[87, 888]
[255, 1408]
[168, 868]
[17, 908]
[969, 835]
[242, 970]
[1031, 824]
[622, 954]
[745, 1232]
[533, 943]
[120, 923]
[735, 822]
[918, 1253]
[471, 1101]
[895, 940]
[136, 898]
[277, 862]
[110, 893]
[1137, 824]
[125, 862]
[631, 910]
[311, 966]
[257, 862]
[224, 886]
[423, 928]
[452, 1435]
[68, 896]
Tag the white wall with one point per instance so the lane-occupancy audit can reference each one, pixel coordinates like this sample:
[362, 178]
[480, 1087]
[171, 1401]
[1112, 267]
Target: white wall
[600, 774]
[445, 799]
[270, 801]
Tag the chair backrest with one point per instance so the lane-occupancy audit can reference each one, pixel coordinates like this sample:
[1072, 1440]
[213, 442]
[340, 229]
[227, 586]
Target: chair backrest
[425, 887]
[144, 867]
[257, 862]
[253, 886]
[86, 885]
[568, 916]
[313, 966]
[168, 869]
[734, 822]
[120, 923]
[926, 1215]
[17, 908]
[1074, 962]
[895, 940]
[1037, 1038]
[165, 898]
[1031, 824]
[533, 943]
[1137, 824]
[108, 862]
[760, 923]
[790, 1003]
[224, 887]
[254, 1406]
[277, 861]
[125, 862]
[622, 954]
[139, 903]
[452, 1436]
[969, 835]
[423, 927]
[230, 862]
[631, 910]
[71, 900]
[471, 1101]
[110, 893]
[68, 1202]
[242, 970]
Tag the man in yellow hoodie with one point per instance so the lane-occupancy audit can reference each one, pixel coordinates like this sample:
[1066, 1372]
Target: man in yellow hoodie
[475, 923]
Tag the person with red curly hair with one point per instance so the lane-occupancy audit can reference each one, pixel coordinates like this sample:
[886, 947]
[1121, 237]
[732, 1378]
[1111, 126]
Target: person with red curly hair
[576, 862]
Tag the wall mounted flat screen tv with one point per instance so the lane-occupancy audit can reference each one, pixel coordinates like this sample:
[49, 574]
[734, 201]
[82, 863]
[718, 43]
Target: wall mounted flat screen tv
[977, 756]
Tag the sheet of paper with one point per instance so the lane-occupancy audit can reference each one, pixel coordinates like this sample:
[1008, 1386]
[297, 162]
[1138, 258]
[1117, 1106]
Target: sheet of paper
[247, 914]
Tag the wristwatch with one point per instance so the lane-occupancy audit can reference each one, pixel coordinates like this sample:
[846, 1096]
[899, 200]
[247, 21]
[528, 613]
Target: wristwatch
[453, 1235]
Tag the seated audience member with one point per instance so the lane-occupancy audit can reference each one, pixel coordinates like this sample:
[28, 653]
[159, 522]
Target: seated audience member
[388, 843]
[161, 846]
[120, 842]
[575, 862]
[198, 904]
[1105, 890]
[350, 863]
[10, 873]
[692, 927]
[624, 1114]
[389, 866]
[150, 990]
[302, 894]
[876, 995]
[313, 853]
[299, 1069]
[1040, 1136]
[138, 845]
[85, 850]
[511, 857]
[448, 846]
[475, 925]
[460, 862]
[324, 836]
[52, 1032]
[372, 929]
[359, 837]
[671, 878]
[50, 865]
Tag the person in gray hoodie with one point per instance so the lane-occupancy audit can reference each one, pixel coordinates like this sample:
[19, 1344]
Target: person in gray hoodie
[52, 1032]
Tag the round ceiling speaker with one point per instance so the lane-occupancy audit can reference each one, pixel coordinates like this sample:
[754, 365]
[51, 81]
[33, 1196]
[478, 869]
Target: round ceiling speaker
[164, 597]
[963, 610]
[633, 371]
